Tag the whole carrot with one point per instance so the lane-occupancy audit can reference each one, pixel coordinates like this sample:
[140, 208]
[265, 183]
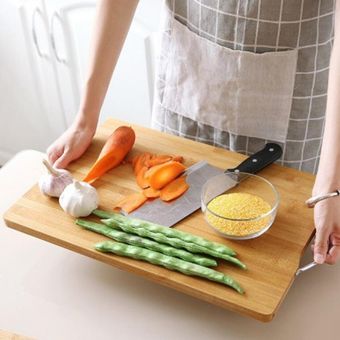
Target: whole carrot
[114, 151]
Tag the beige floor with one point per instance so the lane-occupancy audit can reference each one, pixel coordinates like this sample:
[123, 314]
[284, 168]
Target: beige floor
[50, 293]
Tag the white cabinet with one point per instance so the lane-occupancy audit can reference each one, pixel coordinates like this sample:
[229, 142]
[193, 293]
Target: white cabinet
[54, 47]
[35, 29]
[70, 25]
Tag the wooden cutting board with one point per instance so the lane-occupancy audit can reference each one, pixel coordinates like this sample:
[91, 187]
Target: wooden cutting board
[272, 258]
[4, 335]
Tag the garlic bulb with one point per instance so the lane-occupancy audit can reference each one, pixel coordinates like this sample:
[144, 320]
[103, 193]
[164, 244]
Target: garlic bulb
[79, 199]
[55, 181]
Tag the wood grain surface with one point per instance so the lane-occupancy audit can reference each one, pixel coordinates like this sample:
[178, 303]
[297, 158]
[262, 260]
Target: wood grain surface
[5, 335]
[272, 258]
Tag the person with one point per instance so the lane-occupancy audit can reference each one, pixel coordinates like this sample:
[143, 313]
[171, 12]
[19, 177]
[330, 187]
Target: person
[236, 74]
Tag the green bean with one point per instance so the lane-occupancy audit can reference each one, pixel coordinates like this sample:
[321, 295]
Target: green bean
[124, 225]
[168, 262]
[169, 232]
[124, 237]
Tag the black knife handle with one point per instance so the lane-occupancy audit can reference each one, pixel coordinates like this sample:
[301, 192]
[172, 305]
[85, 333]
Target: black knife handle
[256, 162]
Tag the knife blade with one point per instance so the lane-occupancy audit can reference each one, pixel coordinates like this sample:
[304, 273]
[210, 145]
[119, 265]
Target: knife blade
[169, 213]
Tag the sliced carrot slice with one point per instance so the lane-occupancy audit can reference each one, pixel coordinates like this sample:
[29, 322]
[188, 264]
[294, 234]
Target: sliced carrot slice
[165, 173]
[147, 158]
[151, 192]
[179, 159]
[141, 180]
[134, 159]
[131, 202]
[160, 159]
[151, 170]
[174, 189]
[140, 162]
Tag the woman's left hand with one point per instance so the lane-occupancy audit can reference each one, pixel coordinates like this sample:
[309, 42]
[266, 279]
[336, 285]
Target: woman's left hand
[327, 224]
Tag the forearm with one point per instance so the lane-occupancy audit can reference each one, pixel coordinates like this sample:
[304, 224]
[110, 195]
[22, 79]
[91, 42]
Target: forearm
[113, 19]
[329, 168]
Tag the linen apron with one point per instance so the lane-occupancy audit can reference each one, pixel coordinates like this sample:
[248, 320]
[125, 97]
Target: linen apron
[239, 73]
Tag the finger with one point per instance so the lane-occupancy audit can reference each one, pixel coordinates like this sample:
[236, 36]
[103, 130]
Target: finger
[321, 245]
[312, 247]
[333, 256]
[63, 161]
[335, 239]
[54, 153]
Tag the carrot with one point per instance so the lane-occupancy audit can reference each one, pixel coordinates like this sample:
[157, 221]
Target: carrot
[174, 189]
[146, 159]
[131, 202]
[160, 159]
[141, 180]
[151, 170]
[112, 154]
[151, 193]
[141, 161]
[164, 174]
[133, 160]
[138, 164]
[178, 159]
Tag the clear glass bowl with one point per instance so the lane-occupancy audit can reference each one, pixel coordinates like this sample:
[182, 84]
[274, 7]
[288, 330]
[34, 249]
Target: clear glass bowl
[236, 218]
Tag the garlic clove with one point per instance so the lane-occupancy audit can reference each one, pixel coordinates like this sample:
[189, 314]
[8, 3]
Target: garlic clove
[55, 181]
[79, 199]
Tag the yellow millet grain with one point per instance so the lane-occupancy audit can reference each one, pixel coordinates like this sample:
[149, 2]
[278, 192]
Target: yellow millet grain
[238, 206]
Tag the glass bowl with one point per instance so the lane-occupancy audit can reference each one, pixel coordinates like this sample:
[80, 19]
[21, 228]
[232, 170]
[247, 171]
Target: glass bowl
[239, 205]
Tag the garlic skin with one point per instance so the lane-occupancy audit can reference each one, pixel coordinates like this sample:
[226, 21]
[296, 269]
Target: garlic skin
[55, 181]
[79, 199]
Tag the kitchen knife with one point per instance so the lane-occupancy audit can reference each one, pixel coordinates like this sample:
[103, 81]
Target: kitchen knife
[169, 213]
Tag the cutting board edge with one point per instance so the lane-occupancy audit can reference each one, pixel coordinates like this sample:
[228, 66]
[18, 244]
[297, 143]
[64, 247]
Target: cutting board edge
[110, 260]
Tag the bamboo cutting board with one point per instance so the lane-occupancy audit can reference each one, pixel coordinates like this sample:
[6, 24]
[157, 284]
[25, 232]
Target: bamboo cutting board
[272, 259]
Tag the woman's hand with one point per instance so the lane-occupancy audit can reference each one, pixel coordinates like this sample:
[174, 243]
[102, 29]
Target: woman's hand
[327, 212]
[327, 224]
[112, 24]
[71, 144]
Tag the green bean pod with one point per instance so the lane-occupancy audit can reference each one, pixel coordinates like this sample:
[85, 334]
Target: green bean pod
[168, 262]
[169, 232]
[124, 237]
[175, 242]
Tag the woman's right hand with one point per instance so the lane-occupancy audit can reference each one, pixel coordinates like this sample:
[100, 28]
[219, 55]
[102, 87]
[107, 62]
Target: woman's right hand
[112, 23]
[71, 144]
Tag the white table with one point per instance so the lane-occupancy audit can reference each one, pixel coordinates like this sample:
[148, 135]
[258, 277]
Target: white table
[51, 293]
